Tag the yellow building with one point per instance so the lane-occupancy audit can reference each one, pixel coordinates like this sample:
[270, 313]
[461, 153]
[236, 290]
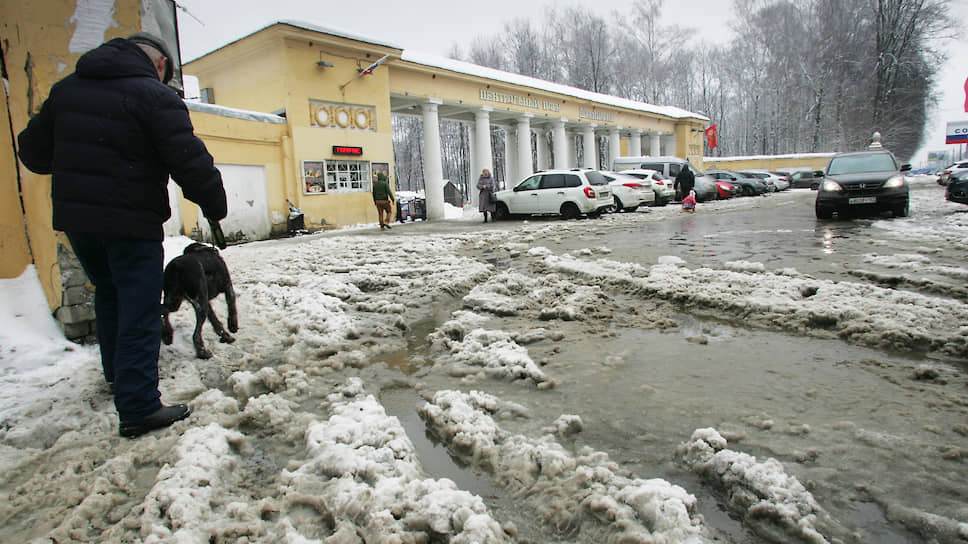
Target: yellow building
[338, 93]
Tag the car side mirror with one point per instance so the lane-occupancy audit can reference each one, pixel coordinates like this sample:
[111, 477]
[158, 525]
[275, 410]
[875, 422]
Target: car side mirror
[818, 173]
[905, 167]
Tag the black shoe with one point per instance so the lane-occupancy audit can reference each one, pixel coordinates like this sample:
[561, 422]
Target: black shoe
[163, 417]
[388, 226]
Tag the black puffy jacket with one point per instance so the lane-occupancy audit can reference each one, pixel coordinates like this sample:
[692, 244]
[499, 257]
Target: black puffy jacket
[111, 134]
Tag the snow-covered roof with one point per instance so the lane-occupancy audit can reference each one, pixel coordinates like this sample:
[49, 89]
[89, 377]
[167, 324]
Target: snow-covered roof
[761, 157]
[540, 84]
[336, 32]
[234, 112]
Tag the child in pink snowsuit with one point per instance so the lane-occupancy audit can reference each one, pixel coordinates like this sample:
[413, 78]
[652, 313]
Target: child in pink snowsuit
[689, 203]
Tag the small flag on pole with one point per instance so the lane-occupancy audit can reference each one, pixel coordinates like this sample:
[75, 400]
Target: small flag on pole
[711, 137]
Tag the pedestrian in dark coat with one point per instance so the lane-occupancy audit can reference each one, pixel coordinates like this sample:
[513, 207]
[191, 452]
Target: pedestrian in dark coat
[486, 204]
[110, 134]
[685, 181]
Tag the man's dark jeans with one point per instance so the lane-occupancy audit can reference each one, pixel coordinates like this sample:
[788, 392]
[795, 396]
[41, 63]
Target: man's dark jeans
[128, 276]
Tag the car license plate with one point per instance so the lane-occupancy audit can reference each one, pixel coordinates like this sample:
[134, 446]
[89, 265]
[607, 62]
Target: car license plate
[862, 200]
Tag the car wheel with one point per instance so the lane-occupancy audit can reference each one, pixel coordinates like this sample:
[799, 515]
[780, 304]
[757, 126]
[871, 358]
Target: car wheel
[903, 211]
[823, 213]
[570, 211]
[501, 212]
[615, 206]
[748, 191]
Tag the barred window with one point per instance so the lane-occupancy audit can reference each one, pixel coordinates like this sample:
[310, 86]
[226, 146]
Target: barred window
[347, 177]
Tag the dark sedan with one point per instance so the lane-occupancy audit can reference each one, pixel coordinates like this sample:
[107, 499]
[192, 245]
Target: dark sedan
[957, 188]
[863, 181]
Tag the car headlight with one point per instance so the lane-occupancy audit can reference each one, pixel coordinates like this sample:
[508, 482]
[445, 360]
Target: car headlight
[894, 182]
[831, 186]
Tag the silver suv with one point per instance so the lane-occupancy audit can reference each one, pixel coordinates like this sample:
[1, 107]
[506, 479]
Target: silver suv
[569, 193]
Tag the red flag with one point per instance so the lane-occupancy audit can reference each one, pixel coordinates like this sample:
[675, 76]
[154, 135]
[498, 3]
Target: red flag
[711, 136]
[966, 94]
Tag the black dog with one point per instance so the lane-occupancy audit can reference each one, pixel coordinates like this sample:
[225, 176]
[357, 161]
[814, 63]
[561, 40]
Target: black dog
[198, 275]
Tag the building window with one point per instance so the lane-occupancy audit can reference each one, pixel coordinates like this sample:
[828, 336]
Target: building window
[347, 177]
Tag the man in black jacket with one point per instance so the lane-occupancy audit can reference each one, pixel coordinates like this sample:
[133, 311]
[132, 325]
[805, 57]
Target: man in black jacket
[111, 134]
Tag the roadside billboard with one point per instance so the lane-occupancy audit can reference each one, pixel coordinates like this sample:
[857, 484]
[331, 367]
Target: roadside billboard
[957, 132]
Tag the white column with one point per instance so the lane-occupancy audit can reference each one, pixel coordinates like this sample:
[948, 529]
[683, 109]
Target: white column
[525, 162]
[543, 154]
[433, 171]
[475, 168]
[635, 143]
[482, 149]
[655, 149]
[561, 144]
[588, 145]
[669, 142]
[510, 159]
[614, 145]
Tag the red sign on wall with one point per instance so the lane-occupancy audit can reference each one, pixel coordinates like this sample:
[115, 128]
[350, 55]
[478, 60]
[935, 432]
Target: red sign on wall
[347, 150]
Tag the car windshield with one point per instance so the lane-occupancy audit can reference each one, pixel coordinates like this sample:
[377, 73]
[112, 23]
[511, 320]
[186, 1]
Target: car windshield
[596, 178]
[856, 164]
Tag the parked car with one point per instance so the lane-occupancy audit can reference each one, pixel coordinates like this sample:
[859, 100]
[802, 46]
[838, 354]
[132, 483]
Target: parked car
[628, 192]
[705, 187]
[802, 177]
[945, 175]
[863, 181]
[661, 185]
[774, 182]
[957, 188]
[569, 193]
[751, 186]
[727, 190]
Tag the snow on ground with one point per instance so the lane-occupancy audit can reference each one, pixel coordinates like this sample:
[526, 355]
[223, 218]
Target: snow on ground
[287, 443]
[582, 492]
[860, 313]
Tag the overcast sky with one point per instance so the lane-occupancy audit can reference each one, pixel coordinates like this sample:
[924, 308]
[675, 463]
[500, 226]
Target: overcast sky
[433, 26]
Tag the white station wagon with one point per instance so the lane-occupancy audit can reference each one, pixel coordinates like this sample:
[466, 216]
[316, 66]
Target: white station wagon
[569, 193]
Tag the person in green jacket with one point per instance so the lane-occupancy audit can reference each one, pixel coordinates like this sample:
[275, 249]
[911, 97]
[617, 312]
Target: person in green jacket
[383, 198]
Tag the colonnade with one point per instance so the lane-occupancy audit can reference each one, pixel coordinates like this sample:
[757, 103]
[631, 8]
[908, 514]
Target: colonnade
[520, 162]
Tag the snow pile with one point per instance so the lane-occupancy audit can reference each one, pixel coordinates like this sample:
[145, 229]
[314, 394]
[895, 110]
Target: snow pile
[512, 293]
[35, 357]
[474, 351]
[860, 313]
[582, 496]
[183, 505]
[362, 475]
[775, 504]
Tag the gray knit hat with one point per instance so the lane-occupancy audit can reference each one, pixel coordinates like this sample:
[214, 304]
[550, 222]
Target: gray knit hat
[154, 41]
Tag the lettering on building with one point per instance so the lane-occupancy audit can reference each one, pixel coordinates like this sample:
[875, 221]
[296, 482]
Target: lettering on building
[523, 101]
[342, 116]
[584, 113]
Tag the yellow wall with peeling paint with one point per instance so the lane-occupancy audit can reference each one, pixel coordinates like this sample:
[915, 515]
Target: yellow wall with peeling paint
[36, 38]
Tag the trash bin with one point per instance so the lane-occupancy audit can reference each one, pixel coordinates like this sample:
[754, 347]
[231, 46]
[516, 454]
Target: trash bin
[297, 221]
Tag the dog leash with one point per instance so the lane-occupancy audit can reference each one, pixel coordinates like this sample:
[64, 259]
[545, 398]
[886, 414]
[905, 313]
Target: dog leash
[217, 235]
